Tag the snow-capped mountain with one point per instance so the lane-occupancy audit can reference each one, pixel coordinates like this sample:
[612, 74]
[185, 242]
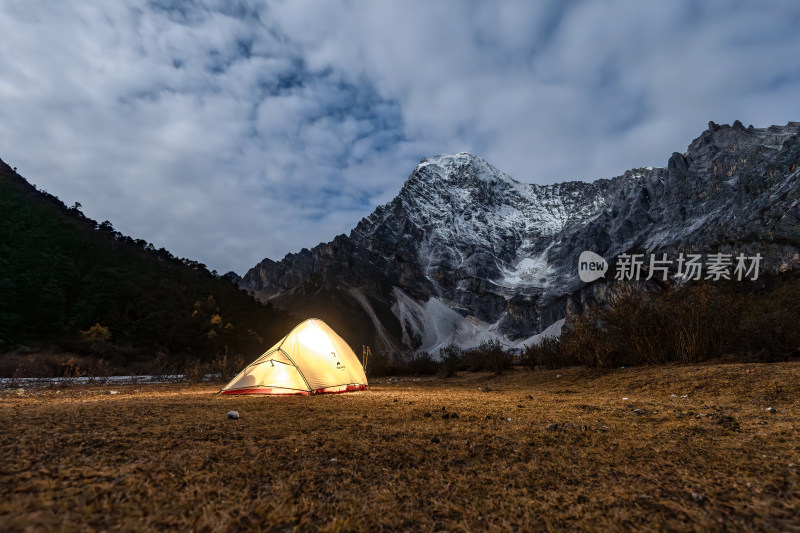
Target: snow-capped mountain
[465, 253]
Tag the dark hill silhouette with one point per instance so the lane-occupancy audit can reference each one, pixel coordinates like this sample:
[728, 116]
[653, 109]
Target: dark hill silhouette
[62, 274]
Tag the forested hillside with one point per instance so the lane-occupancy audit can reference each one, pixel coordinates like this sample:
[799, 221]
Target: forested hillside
[69, 283]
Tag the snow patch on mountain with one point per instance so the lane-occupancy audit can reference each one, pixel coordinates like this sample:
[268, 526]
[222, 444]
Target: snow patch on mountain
[437, 326]
[531, 271]
[367, 307]
[551, 331]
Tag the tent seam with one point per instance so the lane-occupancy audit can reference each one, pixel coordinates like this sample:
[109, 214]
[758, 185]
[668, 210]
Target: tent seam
[297, 367]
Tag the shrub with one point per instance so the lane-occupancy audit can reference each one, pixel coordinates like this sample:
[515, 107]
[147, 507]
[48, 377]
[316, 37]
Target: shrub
[547, 354]
[489, 356]
[70, 372]
[702, 322]
[450, 361]
[96, 338]
[586, 342]
[100, 370]
[383, 364]
[421, 363]
[769, 330]
[160, 367]
[194, 371]
[16, 377]
[691, 324]
[225, 367]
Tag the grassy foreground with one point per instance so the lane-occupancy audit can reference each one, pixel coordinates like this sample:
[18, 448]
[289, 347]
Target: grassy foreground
[166, 457]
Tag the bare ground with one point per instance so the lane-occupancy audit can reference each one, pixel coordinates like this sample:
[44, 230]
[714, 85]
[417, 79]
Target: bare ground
[165, 457]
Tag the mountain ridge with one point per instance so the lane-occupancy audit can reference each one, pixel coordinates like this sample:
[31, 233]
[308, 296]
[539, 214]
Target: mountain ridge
[500, 255]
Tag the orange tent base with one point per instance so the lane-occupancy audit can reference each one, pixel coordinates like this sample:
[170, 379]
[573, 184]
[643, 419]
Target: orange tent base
[341, 388]
[289, 392]
[265, 390]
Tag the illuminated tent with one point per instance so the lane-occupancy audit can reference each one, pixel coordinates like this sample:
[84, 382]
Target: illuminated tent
[311, 359]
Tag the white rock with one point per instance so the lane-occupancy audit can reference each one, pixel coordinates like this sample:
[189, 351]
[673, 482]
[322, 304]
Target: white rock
[234, 415]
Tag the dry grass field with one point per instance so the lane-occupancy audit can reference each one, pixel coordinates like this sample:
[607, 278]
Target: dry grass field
[552, 450]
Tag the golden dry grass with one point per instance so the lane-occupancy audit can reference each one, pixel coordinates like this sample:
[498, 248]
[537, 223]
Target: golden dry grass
[164, 457]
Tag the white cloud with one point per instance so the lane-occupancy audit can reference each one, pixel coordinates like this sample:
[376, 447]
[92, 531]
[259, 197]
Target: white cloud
[230, 131]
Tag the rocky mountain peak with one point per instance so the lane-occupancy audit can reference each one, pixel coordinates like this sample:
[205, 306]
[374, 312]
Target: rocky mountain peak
[466, 253]
[725, 141]
[458, 169]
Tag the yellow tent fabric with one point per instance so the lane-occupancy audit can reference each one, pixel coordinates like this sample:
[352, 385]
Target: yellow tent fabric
[311, 359]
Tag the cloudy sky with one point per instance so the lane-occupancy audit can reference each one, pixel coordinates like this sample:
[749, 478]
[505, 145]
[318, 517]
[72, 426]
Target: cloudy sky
[229, 131]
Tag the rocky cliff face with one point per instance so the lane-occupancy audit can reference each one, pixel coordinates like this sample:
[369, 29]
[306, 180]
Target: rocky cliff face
[465, 253]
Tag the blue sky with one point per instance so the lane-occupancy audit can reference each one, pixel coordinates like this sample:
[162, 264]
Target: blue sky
[229, 131]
